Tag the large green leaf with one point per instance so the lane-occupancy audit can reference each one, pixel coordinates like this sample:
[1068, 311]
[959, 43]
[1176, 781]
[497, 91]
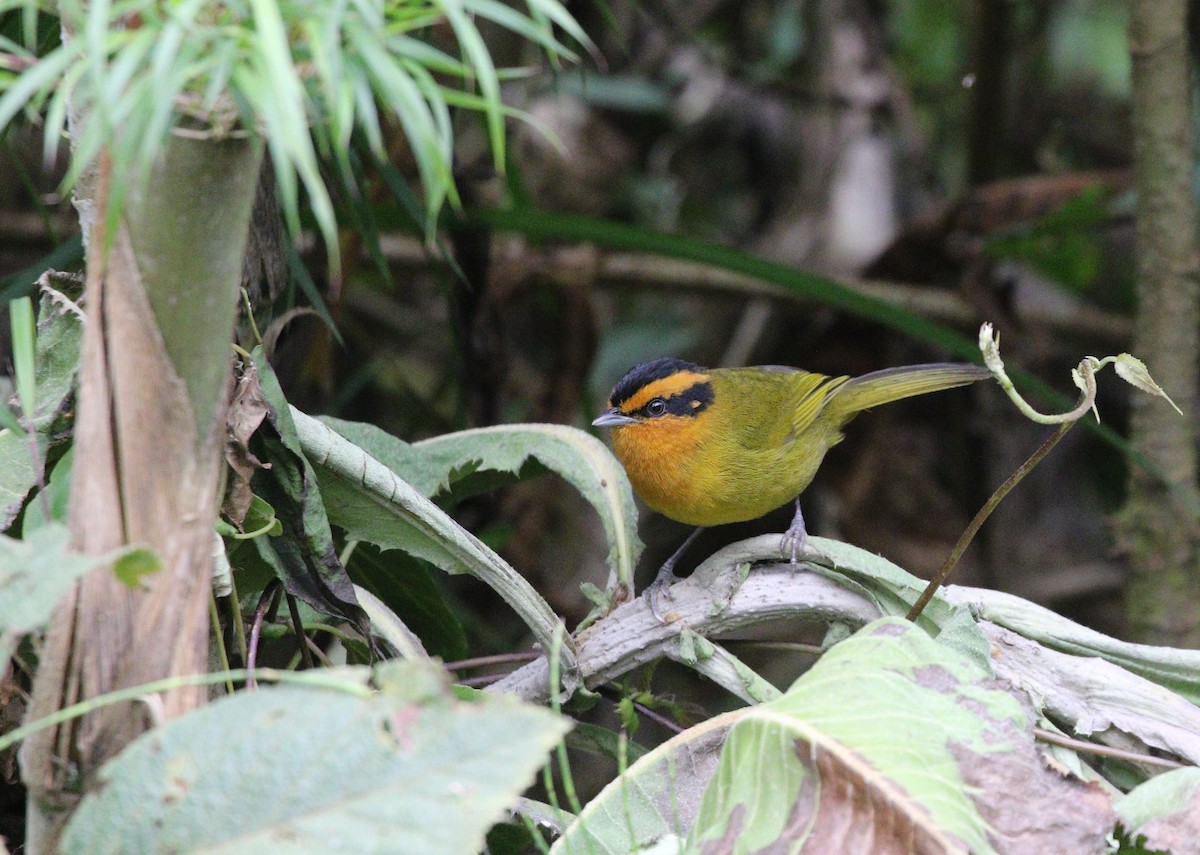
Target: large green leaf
[36, 572]
[298, 769]
[656, 800]
[59, 331]
[308, 562]
[475, 460]
[374, 504]
[408, 587]
[892, 742]
[1164, 813]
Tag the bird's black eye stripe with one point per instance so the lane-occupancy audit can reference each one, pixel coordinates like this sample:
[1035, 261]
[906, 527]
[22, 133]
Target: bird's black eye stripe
[690, 402]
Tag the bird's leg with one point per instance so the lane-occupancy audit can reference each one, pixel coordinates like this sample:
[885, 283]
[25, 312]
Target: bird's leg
[666, 574]
[796, 536]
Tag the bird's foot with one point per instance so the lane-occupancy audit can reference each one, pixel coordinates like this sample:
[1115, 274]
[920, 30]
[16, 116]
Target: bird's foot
[666, 578]
[656, 590]
[793, 545]
[795, 539]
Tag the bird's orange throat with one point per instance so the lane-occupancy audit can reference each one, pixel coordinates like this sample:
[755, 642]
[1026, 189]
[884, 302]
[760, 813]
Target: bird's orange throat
[659, 457]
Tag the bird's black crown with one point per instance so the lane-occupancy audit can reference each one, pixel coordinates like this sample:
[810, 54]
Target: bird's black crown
[647, 372]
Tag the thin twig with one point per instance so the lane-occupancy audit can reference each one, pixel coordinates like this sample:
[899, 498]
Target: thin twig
[235, 611]
[480, 681]
[1105, 750]
[298, 628]
[499, 659]
[986, 511]
[786, 646]
[314, 649]
[269, 594]
[658, 717]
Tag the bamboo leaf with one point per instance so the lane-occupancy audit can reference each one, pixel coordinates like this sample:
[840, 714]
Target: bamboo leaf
[484, 70]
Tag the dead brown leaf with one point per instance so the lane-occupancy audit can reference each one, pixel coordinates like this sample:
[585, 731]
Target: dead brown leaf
[247, 409]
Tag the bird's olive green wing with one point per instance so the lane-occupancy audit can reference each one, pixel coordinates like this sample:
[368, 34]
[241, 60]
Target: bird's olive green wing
[771, 405]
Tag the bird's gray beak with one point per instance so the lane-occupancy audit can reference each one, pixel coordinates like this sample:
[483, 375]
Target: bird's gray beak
[613, 418]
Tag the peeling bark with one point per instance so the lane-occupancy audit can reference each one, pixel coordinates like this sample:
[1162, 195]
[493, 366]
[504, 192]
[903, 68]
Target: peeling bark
[160, 300]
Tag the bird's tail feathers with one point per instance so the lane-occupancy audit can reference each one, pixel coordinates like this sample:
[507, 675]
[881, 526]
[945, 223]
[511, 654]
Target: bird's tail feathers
[893, 384]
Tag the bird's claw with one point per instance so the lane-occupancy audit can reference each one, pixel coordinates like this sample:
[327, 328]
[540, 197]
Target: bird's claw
[792, 544]
[660, 587]
[795, 538]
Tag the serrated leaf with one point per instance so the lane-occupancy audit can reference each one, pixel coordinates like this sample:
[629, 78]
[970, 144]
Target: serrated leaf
[894, 743]
[373, 504]
[56, 365]
[34, 575]
[306, 558]
[296, 769]
[1164, 812]
[1134, 372]
[469, 461]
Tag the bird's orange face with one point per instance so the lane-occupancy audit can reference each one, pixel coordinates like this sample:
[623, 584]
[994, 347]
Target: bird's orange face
[657, 394]
[656, 416]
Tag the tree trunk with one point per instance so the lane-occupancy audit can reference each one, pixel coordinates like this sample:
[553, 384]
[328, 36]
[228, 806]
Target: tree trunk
[161, 298]
[1160, 524]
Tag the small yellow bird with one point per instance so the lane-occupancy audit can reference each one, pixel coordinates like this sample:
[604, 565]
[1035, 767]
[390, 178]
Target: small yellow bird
[713, 446]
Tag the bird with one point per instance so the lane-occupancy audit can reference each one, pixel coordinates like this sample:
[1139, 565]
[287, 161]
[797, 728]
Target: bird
[710, 446]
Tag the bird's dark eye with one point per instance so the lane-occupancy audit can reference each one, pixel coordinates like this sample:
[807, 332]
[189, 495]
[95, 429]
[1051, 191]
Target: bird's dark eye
[656, 407]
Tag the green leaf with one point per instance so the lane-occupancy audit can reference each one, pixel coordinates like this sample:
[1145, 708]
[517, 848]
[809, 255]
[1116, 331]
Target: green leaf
[260, 520]
[59, 332]
[373, 504]
[34, 575]
[306, 557]
[299, 769]
[58, 495]
[18, 474]
[472, 461]
[1134, 372]
[36, 81]
[408, 587]
[134, 565]
[388, 626]
[889, 772]
[24, 335]
[656, 800]
[893, 742]
[1162, 812]
[480, 60]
